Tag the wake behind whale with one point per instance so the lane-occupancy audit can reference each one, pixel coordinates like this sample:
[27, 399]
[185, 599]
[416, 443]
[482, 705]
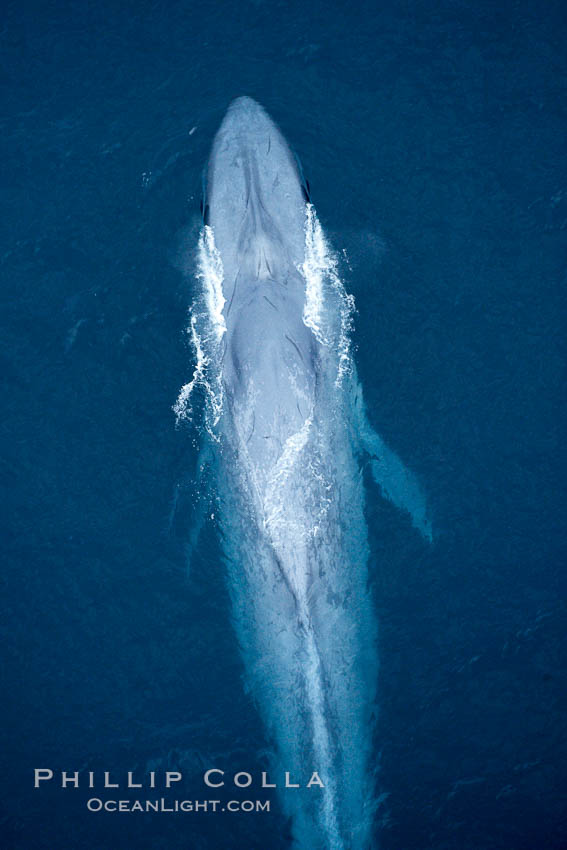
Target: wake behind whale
[284, 417]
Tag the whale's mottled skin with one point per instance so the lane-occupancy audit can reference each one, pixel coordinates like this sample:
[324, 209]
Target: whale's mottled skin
[288, 435]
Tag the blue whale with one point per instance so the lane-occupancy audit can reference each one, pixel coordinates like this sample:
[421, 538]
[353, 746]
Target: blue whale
[286, 424]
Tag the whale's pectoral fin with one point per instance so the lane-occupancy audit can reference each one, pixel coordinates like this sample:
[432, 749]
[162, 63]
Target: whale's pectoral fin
[397, 483]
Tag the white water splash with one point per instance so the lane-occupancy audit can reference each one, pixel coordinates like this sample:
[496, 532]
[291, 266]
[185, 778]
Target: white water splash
[289, 525]
[285, 467]
[211, 273]
[206, 329]
[325, 296]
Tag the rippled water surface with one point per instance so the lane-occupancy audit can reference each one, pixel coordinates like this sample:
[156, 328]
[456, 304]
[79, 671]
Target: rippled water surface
[432, 136]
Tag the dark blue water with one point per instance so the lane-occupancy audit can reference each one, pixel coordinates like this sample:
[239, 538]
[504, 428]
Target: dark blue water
[433, 137]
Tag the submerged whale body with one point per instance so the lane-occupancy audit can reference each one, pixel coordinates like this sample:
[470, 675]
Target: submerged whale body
[286, 422]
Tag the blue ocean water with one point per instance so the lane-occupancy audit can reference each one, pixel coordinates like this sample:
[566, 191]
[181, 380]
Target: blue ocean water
[433, 138]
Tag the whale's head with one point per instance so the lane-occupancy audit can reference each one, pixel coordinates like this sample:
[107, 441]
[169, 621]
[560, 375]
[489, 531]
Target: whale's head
[254, 194]
[255, 207]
